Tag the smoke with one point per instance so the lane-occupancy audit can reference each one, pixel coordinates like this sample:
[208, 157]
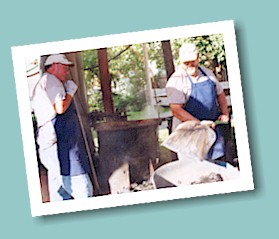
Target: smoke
[150, 112]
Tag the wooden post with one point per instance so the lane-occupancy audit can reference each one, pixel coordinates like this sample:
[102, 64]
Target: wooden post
[148, 91]
[168, 58]
[81, 99]
[81, 105]
[105, 80]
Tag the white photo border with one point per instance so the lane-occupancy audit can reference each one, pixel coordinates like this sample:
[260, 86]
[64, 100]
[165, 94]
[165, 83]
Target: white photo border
[244, 183]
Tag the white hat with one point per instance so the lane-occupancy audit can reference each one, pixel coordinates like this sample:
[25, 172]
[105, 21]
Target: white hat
[57, 58]
[188, 52]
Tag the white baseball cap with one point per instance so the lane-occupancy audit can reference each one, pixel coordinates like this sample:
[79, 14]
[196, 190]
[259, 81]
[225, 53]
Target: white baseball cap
[188, 52]
[58, 58]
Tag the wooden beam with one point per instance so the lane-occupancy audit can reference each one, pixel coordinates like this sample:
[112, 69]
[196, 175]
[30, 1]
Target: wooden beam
[105, 80]
[168, 58]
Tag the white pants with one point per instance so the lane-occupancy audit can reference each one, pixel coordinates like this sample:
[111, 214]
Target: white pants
[63, 187]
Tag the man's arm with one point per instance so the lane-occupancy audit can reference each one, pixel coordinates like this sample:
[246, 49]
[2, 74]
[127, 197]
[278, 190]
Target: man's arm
[181, 114]
[61, 106]
[223, 107]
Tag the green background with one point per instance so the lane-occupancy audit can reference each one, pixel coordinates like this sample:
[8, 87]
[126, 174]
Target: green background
[246, 214]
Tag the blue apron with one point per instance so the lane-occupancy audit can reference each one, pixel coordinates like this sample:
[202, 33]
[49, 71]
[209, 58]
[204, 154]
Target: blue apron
[202, 104]
[71, 150]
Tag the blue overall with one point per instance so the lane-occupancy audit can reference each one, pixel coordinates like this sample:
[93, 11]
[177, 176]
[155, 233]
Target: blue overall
[70, 146]
[202, 104]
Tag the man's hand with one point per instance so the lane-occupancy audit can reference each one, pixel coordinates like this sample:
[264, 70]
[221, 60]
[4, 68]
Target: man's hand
[209, 123]
[70, 87]
[224, 118]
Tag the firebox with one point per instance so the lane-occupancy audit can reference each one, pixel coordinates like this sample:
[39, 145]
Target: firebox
[134, 143]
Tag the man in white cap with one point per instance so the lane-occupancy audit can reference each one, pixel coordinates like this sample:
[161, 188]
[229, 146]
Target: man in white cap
[194, 93]
[61, 148]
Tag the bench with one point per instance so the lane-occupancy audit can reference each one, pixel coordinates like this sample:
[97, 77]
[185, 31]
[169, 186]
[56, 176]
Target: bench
[159, 95]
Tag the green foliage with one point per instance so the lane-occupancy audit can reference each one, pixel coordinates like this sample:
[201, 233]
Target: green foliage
[155, 54]
[94, 98]
[211, 48]
[129, 65]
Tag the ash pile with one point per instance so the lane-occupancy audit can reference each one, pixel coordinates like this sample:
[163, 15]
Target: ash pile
[145, 185]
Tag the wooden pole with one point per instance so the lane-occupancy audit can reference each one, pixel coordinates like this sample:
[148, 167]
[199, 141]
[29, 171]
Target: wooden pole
[105, 80]
[168, 58]
[148, 92]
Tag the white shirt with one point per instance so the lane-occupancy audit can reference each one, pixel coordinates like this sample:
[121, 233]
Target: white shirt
[179, 87]
[47, 92]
